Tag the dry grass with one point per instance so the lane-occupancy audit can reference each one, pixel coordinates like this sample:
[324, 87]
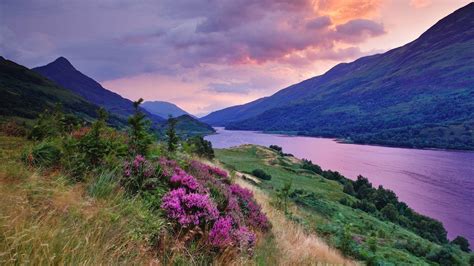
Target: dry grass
[42, 223]
[295, 246]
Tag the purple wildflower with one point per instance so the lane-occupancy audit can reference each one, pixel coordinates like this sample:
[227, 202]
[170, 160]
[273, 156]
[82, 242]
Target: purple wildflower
[188, 209]
[221, 234]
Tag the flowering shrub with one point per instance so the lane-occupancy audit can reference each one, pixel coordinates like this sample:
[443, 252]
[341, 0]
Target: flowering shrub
[136, 172]
[245, 239]
[221, 234]
[189, 208]
[182, 179]
[248, 207]
[204, 195]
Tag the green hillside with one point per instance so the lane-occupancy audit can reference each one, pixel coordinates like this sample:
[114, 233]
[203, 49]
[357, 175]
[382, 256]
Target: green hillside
[25, 94]
[324, 205]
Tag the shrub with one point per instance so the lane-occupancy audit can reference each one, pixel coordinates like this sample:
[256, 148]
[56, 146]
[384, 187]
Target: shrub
[277, 149]
[462, 242]
[45, 154]
[13, 129]
[140, 138]
[201, 147]
[444, 256]
[189, 208]
[261, 174]
[136, 173]
[172, 137]
[308, 165]
[221, 233]
[349, 189]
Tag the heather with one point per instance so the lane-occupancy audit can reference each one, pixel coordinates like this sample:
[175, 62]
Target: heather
[186, 211]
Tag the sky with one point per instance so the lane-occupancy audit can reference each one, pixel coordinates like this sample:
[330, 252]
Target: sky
[205, 55]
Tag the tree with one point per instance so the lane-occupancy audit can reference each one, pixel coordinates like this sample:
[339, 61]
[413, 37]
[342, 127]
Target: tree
[349, 189]
[200, 146]
[390, 212]
[171, 134]
[283, 195]
[462, 242]
[140, 138]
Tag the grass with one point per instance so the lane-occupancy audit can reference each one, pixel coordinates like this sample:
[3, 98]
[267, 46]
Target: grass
[47, 220]
[323, 215]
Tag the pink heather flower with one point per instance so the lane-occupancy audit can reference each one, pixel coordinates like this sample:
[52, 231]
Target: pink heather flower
[221, 234]
[245, 239]
[181, 178]
[188, 209]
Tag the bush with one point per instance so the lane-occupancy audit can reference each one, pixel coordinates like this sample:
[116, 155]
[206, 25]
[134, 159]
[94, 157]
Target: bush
[261, 174]
[201, 147]
[444, 256]
[349, 189]
[308, 165]
[13, 129]
[45, 154]
[462, 242]
[277, 149]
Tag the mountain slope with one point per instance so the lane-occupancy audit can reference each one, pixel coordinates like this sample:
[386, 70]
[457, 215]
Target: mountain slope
[163, 109]
[187, 126]
[25, 94]
[418, 95]
[63, 72]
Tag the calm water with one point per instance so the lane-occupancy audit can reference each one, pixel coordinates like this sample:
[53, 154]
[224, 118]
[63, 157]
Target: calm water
[436, 183]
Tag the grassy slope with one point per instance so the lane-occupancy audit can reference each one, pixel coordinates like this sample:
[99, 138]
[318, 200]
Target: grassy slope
[328, 216]
[45, 220]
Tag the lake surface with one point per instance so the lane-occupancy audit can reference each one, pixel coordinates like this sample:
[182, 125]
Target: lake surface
[436, 183]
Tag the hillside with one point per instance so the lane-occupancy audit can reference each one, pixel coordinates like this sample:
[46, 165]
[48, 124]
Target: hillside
[187, 126]
[65, 74]
[355, 219]
[25, 94]
[163, 109]
[417, 95]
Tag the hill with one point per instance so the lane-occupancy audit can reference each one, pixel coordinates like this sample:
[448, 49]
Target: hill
[163, 109]
[187, 126]
[25, 94]
[417, 95]
[349, 215]
[65, 74]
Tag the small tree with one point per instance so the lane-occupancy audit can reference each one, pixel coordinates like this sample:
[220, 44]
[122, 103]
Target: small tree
[171, 134]
[283, 195]
[349, 189]
[200, 146]
[462, 242]
[140, 138]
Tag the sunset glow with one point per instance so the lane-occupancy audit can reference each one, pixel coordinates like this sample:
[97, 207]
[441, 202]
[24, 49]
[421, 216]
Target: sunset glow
[205, 57]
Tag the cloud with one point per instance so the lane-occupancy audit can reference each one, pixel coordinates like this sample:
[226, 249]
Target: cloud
[420, 3]
[219, 47]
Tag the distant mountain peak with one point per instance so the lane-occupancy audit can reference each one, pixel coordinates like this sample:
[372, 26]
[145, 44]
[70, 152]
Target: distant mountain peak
[62, 62]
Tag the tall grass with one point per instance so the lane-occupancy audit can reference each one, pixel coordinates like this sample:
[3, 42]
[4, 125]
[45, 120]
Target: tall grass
[294, 246]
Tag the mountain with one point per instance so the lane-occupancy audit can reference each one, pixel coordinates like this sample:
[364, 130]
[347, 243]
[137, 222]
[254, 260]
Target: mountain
[187, 126]
[163, 109]
[25, 94]
[417, 95]
[65, 74]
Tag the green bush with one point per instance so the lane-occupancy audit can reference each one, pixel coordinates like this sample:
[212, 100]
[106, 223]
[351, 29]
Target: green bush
[462, 242]
[201, 147]
[44, 154]
[261, 174]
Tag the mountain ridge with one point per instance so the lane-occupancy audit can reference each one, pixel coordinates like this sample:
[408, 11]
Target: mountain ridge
[64, 73]
[416, 95]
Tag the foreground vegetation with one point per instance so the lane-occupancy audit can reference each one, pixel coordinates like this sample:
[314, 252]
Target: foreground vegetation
[75, 192]
[365, 223]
